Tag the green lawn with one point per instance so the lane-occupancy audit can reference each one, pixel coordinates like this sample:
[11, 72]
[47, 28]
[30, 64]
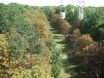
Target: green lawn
[70, 68]
[59, 40]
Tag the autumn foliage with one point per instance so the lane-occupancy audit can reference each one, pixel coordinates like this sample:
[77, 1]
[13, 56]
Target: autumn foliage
[40, 23]
[23, 38]
[9, 64]
[90, 53]
[62, 25]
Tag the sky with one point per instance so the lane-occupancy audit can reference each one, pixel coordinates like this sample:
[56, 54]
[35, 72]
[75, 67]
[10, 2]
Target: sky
[96, 3]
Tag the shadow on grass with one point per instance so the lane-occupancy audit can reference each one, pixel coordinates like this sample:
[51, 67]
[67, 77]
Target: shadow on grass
[69, 48]
[70, 64]
[58, 37]
[61, 42]
[55, 31]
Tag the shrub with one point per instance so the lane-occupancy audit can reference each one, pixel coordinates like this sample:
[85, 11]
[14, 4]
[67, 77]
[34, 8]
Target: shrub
[34, 72]
[55, 56]
[60, 24]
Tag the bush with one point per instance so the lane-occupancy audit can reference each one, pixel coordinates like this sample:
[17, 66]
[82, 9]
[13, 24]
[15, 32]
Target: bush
[59, 23]
[34, 72]
[55, 56]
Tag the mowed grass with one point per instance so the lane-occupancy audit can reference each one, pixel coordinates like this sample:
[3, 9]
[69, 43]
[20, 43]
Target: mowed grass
[60, 44]
[70, 68]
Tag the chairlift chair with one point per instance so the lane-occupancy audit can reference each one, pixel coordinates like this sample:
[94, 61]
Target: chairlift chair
[72, 7]
[81, 9]
[62, 11]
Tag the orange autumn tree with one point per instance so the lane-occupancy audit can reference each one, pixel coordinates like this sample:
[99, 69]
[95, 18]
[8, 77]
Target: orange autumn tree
[82, 42]
[62, 25]
[74, 36]
[89, 54]
[9, 64]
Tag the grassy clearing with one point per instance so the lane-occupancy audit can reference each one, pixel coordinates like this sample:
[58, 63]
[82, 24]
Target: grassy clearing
[70, 68]
[59, 40]
[70, 64]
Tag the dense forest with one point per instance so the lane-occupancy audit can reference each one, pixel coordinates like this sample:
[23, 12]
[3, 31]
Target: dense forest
[27, 48]
[87, 38]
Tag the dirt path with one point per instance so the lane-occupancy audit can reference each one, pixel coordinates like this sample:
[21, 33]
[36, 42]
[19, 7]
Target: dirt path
[58, 38]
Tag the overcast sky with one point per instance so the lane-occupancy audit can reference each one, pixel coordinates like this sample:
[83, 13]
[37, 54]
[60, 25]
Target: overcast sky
[54, 2]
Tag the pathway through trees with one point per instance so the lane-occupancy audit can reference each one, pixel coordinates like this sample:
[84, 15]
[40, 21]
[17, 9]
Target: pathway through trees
[59, 40]
[70, 68]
